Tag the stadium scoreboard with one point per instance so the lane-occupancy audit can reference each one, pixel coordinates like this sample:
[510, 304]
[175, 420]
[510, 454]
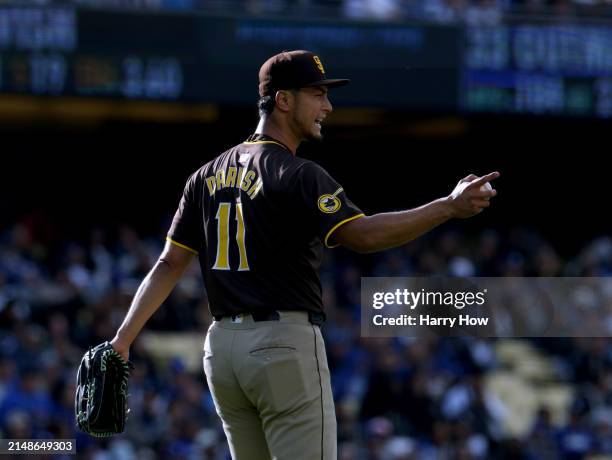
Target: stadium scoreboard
[540, 68]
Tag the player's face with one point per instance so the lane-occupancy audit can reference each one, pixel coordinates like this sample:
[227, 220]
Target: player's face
[311, 108]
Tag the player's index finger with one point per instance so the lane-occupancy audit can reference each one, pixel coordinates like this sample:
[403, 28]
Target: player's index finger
[486, 178]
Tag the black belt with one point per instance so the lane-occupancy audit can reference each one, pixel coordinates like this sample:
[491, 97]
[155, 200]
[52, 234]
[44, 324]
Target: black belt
[316, 318]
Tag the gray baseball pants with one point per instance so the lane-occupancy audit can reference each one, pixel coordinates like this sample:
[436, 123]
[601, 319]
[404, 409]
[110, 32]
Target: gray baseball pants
[271, 387]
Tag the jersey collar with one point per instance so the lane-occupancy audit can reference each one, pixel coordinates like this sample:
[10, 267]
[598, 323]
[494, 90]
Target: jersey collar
[259, 138]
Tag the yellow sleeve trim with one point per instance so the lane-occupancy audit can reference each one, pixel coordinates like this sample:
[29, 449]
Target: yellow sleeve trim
[181, 245]
[338, 225]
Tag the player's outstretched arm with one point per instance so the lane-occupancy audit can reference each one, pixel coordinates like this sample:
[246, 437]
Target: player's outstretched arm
[152, 292]
[392, 229]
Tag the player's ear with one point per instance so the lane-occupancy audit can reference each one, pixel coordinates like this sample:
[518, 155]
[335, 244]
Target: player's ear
[283, 100]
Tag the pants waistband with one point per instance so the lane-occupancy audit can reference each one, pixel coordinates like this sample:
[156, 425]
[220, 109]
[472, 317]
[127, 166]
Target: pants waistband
[316, 318]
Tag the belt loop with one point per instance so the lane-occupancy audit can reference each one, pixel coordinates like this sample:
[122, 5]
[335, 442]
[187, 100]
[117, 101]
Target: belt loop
[317, 318]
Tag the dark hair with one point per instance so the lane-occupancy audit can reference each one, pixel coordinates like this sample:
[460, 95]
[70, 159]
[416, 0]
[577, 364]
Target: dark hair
[265, 105]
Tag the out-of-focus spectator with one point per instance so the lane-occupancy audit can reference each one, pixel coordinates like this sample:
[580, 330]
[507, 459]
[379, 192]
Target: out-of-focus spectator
[400, 399]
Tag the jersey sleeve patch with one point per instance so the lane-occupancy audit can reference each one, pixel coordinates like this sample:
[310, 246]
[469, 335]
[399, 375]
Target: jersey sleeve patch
[323, 199]
[330, 204]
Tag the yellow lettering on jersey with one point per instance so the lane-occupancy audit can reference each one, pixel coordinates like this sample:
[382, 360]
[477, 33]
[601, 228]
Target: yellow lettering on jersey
[246, 181]
[255, 188]
[220, 179]
[240, 236]
[230, 179]
[222, 259]
[239, 177]
[210, 183]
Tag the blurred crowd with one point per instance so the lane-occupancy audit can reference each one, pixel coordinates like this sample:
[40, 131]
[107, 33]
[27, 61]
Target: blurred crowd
[396, 399]
[437, 11]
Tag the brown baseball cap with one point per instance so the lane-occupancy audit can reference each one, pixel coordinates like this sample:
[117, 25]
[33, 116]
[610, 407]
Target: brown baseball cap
[294, 69]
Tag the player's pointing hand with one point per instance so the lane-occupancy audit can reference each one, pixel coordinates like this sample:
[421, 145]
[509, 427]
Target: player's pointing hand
[472, 194]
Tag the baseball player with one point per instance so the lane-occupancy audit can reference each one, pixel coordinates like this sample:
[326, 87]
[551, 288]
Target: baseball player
[257, 217]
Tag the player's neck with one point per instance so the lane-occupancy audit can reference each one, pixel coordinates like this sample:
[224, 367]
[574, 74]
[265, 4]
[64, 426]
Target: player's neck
[270, 128]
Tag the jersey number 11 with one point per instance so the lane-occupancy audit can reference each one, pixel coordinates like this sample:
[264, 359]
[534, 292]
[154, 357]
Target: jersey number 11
[223, 221]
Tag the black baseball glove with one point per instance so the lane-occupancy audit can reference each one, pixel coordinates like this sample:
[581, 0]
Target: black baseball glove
[100, 403]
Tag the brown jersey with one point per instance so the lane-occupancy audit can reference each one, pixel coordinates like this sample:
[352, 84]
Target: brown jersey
[258, 216]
